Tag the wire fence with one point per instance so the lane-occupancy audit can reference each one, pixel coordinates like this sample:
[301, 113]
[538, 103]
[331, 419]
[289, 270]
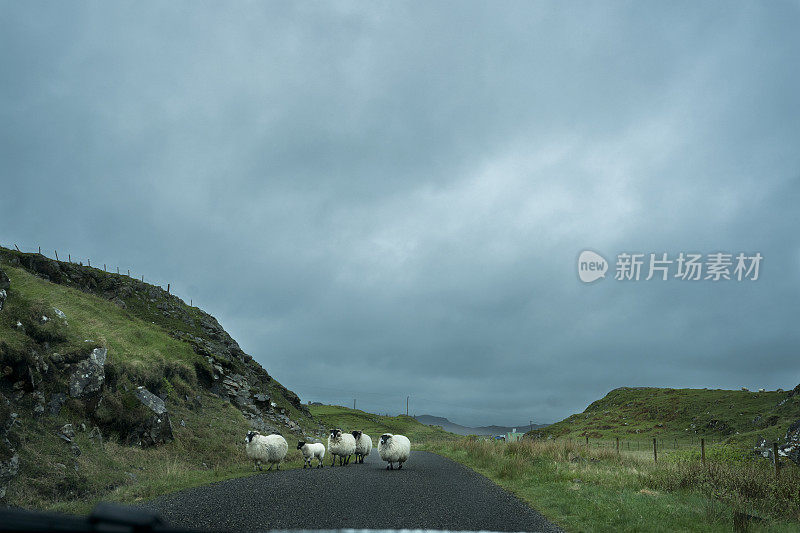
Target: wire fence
[67, 257]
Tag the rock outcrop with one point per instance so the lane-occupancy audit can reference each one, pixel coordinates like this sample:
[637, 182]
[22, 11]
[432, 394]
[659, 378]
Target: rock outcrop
[89, 375]
[157, 428]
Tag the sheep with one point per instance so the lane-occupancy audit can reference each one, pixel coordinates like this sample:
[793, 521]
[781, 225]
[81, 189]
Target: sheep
[341, 444]
[265, 449]
[394, 449]
[311, 450]
[363, 445]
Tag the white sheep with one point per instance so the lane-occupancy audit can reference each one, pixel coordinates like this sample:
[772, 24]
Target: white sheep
[265, 449]
[394, 449]
[363, 445]
[342, 445]
[311, 450]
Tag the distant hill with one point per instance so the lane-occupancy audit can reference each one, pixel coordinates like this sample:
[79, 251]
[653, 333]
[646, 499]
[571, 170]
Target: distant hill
[738, 416]
[376, 425]
[447, 425]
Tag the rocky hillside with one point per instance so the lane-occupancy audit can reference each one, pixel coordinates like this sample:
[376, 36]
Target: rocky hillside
[95, 366]
[741, 417]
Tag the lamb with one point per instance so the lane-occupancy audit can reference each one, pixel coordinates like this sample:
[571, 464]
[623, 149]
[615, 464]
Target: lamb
[363, 445]
[265, 449]
[394, 449]
[341, 444]
[311, 450]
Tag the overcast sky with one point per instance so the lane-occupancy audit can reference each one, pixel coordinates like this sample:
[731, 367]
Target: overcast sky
[388, 199]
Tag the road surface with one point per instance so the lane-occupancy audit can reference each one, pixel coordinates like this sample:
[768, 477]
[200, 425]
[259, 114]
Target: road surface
[430, 492]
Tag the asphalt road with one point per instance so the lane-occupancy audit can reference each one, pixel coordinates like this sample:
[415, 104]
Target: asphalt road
[430, 492]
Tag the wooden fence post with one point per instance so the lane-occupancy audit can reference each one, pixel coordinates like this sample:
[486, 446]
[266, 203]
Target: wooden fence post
[587, 442]
[40, 250]
[655, 451]
[56, 251]
[129, 272]
[89, 261]
[703, 451]
[777, 461]
[617, 446]
[17, 247]
[69, 258]
[104, 267]
[167, 288]
[117, 270]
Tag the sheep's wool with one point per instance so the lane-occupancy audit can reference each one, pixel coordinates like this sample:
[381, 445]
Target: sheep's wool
[397, 450]
[364, 445]
[267, 448]
[313, 450]
[344, 445]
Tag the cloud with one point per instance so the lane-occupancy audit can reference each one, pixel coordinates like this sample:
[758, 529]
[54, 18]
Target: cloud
[380, 201]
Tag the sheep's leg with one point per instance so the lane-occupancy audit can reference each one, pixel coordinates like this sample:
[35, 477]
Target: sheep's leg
[278, 466]
[270, 467]
[400, 464]
[333, 461]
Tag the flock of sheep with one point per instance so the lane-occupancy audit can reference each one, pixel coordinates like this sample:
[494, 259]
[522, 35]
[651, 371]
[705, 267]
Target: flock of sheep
[262, 449]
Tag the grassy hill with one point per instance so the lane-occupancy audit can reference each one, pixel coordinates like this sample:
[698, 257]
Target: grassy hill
[375, 425]
[54, 316]
[738, 417]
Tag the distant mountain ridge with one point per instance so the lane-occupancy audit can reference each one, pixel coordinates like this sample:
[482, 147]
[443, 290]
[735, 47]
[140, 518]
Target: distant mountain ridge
[447, 425]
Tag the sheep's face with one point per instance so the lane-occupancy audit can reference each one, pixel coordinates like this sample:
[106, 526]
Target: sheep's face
[250, 435]
[385, 438]
[300, 445]
[356, 434]
[336, 433]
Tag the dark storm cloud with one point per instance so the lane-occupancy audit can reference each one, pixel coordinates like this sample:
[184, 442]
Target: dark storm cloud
[380, 200]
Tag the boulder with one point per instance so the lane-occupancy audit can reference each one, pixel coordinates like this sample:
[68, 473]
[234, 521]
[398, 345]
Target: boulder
[57, 401]
[157, 428]
[67, 432]
[89, 375]
[792, 447]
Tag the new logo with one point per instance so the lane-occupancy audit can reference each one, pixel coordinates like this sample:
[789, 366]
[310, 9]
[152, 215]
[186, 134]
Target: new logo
[591, 266]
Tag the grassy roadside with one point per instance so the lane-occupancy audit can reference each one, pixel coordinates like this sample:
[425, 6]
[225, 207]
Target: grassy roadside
[594, 490]
[207, 449]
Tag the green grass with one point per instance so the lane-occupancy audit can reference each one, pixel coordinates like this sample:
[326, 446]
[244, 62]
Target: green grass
[334, 416]
[737, 417]
[594, 490]
[132, 342]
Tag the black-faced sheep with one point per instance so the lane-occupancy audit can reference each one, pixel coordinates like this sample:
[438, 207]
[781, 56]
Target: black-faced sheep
[394, 449]
[265, 449]
[311, 450]
[363, 445]
[342, 445]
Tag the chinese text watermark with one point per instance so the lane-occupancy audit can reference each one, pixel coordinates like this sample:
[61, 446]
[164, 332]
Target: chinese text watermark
[685, 266]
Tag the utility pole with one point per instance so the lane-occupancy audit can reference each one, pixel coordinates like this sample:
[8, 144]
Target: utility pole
[407, 397]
